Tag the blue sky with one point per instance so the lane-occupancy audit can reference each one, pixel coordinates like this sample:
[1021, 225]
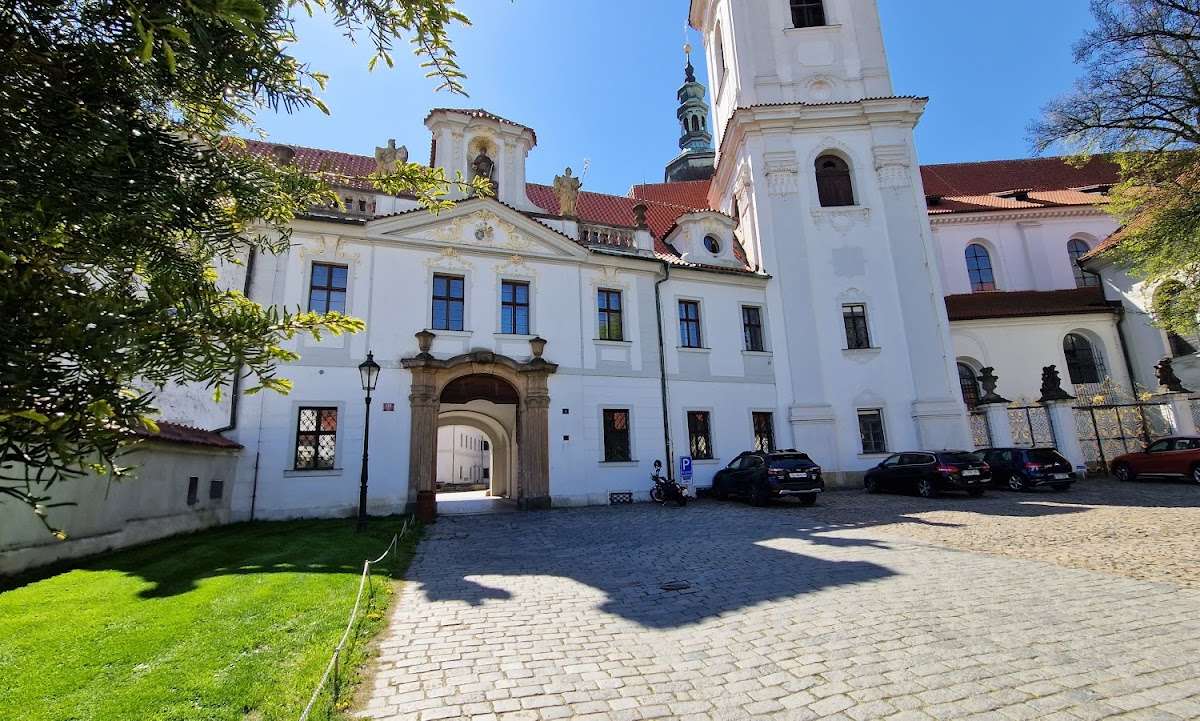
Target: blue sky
[597, 78]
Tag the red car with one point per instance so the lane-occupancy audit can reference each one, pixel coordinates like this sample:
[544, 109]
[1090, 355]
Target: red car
[1175, 457]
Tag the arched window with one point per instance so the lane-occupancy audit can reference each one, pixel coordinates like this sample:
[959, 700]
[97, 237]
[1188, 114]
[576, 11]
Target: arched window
[808, 13]
[1076, 249]
[719, 58]
[834, 187]
[969, 384]
[979, 267]
[1084, 364]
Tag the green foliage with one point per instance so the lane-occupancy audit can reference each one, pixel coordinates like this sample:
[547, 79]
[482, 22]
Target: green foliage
[121, 193]
[230, 624]
[1140, 101]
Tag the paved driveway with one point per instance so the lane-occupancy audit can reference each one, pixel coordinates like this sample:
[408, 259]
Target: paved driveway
[856, 609]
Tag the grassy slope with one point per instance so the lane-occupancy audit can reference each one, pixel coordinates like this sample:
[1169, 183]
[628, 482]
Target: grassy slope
[221, 624]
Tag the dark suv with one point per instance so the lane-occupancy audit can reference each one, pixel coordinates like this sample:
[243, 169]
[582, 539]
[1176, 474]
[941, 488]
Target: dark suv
[758, 477]
[1019, 469]
[930, 472]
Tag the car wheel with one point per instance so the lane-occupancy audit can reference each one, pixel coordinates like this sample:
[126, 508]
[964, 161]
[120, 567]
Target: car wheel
[974, 492]
[871, 485]
[1196, 473]
[1060, 486]
[808, 500]
[1124, 473]
[1015, 482]
[926, 488]
[719, 493]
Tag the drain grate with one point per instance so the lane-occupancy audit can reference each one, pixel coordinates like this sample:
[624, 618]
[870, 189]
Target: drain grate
[620, 498]
[675, 586]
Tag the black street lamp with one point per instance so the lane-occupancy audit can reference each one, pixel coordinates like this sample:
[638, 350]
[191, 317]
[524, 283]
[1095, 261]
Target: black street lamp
[368, 370]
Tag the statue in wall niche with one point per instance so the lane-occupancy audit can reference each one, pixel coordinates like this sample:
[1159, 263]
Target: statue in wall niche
[484, 167]
[1052, 386]
[1168, 382]
[988, 379]
[387, 159]
[566, 189]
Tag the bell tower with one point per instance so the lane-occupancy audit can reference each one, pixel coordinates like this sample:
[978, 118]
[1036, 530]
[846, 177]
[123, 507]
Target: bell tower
[695, 162]
[817, 162]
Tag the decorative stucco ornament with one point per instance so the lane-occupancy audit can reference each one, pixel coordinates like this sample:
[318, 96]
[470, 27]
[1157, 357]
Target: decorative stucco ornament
[388, 158]
[566, 189]
[484, 232]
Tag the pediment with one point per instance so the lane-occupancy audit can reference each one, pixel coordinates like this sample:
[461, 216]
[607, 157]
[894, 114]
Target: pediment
[479, 224]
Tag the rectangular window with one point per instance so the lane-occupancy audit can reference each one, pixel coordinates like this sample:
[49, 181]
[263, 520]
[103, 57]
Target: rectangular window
[752, 327]
[699, 435]
[327, 288]
[193, 496]
[448, 296]
[616, 435]
[216, 489]
[316, 438]
[514, 308]
[608, 306]
[870, 428]
[689, 324]
[764, 432]
[855, 318]
[808, 13]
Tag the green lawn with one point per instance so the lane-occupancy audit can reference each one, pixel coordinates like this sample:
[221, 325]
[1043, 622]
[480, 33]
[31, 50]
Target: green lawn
[232, 623]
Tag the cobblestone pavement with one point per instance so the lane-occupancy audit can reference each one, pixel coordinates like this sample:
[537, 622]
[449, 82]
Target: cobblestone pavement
[855, 609]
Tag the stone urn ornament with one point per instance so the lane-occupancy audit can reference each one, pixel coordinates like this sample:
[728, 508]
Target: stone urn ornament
[1052, 389]
[1168, 382]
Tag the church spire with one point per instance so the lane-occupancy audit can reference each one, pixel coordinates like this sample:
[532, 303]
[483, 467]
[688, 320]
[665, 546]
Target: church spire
[697, 159]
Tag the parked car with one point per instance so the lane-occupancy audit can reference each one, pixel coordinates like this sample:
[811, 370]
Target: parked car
[1174, 457]
[930, 472]
[1020, 469]
[758, 477]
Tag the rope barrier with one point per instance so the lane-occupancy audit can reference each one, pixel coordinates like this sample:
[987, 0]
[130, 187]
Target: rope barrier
[364, 582]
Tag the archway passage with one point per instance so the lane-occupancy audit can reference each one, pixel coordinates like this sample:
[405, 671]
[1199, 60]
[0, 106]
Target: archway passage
[505, 398]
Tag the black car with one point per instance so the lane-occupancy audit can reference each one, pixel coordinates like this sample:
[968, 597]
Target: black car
[1022, 468]
[929, 473]
[758, 477]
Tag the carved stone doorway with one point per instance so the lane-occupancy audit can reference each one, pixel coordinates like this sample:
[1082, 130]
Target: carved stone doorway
[481, 379]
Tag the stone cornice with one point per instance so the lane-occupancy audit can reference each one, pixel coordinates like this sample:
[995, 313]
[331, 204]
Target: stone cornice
[992, 216]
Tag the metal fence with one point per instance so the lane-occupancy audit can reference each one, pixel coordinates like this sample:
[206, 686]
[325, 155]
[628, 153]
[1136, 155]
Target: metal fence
[1109, 430]
[981, 430]
[1031, 427]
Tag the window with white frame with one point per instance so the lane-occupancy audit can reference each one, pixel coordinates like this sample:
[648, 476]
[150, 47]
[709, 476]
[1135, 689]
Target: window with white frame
[870, 430]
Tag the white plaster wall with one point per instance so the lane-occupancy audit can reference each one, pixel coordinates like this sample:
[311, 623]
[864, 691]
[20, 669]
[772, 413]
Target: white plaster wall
[461, 457]
[1028, 250]
[1019, 348]
[150, 504]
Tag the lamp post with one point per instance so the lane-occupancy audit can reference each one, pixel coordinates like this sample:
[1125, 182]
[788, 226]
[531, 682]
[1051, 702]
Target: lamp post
[368, 371]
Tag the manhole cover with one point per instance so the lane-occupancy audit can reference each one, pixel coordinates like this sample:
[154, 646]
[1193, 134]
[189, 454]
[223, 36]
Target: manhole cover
[675, 586]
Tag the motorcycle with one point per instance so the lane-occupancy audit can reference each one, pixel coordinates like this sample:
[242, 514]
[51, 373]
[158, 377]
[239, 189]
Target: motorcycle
[665, 489]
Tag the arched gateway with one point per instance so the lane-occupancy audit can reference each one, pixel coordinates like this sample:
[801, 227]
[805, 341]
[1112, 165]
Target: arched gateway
[480, 375]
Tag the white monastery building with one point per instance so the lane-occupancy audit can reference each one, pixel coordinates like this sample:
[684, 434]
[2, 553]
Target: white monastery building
[798, 281]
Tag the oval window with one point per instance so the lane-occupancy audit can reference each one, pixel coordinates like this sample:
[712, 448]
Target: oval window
[712, 244]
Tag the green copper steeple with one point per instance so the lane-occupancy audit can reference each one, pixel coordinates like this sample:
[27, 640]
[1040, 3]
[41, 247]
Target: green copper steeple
[697, 159]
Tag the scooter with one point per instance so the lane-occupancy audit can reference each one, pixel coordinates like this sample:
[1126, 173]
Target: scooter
[666, 490]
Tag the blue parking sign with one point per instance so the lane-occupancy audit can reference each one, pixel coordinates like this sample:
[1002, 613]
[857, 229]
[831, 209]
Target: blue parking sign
[685, 468]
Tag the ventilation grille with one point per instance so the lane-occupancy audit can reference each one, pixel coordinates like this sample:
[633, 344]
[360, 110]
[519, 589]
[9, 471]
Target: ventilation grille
[620, 498]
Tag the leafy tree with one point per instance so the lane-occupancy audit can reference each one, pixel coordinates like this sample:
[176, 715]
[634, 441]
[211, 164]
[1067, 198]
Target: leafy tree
[1140, 101]
[121, 190]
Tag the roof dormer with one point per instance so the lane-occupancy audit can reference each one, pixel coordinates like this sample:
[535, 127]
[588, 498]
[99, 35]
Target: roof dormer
[705, 237]
[477, 143]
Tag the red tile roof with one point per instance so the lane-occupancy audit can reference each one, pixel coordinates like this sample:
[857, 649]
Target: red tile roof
[346, 169]
[187, 435]
[995, 176]
[688, 193]
[1015, 304]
